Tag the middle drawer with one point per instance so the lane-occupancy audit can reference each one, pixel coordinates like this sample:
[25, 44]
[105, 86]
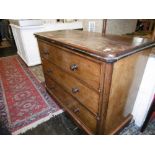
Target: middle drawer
[89, 98]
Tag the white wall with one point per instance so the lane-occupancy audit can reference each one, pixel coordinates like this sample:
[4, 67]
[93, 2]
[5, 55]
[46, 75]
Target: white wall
[146, 92]
[98, 24]
[114, 26]
[121, 26]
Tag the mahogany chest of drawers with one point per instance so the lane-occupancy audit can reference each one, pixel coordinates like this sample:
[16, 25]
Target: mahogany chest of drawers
[94, 78]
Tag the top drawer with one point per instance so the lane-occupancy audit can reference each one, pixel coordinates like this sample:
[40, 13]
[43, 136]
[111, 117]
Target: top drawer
[83, 68]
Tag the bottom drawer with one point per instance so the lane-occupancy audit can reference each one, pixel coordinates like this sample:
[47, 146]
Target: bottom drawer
[68, 102]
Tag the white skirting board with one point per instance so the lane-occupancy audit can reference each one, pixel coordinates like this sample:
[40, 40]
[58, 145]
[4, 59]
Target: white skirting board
[146, 92]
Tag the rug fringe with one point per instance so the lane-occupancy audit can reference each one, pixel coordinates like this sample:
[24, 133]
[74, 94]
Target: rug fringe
[36, 123]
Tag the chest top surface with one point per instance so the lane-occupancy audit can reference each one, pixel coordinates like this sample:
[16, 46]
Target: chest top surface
[107, 48]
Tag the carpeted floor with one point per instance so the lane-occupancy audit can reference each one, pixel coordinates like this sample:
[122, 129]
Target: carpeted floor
[63, 125]
[38, 72]
[58, 125]
[24, 102]
[132, 129]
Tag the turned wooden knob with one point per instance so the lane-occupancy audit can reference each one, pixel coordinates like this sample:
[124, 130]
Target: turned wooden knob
[74, 67]
[46, 52]
[49, 71]
[75, 90]
[77, 110]
[52, 87]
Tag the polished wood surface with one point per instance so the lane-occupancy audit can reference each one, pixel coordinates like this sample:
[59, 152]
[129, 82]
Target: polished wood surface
[94, 78]
[104, 47]
[106, 85]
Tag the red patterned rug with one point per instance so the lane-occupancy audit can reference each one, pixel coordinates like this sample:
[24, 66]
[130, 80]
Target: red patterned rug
[24, 102]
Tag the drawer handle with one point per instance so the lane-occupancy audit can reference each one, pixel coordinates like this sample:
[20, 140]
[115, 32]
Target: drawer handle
[52, 87]
[49, 71]
[74, 67]
[46, 52]
[75, 90]
[77, 110]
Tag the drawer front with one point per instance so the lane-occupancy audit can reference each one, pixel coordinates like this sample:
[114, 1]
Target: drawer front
[82, 93]
[86, 70]
[68, 102]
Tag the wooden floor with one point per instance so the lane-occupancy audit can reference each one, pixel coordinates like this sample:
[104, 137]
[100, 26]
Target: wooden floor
[7, 49]
[5, 44]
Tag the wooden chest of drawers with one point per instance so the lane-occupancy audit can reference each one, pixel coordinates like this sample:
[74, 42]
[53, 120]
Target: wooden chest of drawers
[94, 78]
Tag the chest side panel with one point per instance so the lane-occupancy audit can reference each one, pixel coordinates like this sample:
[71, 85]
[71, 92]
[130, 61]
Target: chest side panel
[126, 79]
